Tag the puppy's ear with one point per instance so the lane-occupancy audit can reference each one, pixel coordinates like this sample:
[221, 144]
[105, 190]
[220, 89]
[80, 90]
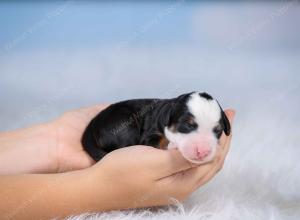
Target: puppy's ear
[225, 122]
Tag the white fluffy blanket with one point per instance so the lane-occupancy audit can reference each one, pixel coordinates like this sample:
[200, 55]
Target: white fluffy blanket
[261, 178]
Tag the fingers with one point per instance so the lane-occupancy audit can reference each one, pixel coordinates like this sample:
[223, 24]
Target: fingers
[92, 111]
[84, 160]
[170, 162]
[182, 184]
[210, 174]
[76, 161]
[230, 113]
[83, 115]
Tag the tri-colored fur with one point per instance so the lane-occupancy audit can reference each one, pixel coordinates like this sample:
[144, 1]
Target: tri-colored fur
[192, 122]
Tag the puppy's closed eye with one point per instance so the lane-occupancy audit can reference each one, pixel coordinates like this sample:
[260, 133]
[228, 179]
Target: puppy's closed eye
[188, 125]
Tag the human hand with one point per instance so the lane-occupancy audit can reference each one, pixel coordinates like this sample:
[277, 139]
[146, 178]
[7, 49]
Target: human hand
[141, 176]
[138, 176]
[68, 130]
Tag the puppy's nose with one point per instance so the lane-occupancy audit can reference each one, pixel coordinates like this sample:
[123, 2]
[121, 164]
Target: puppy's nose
[203, 152]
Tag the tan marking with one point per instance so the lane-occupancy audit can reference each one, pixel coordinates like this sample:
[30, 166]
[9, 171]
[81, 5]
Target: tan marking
[163, 143]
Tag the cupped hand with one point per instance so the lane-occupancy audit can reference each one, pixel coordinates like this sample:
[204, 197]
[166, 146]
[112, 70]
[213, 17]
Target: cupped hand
[141, 176]
[68, 130]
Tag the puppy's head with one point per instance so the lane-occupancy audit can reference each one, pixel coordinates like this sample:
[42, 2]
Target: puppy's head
[195, 126]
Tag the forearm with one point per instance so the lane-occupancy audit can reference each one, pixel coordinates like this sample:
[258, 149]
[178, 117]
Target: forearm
[46, 196]
[27, 151]
[39, 196]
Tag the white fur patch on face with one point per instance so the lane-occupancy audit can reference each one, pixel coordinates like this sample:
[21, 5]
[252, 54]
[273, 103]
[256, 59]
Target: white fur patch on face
[207, 114]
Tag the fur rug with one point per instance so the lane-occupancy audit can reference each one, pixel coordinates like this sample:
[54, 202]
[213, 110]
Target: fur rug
[261, 178]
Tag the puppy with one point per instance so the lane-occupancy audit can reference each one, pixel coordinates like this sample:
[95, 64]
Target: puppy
[193, 123]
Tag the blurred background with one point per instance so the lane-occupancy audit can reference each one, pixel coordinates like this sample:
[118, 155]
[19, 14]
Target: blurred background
[60, 55]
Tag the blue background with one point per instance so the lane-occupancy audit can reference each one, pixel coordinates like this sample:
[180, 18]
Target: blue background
[60, 55]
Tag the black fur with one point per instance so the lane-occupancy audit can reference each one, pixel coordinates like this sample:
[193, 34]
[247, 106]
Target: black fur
[224, 122]
[206, 96]
[125, 124]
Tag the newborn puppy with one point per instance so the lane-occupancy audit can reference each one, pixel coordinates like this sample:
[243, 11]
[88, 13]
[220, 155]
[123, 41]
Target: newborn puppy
[192, 123]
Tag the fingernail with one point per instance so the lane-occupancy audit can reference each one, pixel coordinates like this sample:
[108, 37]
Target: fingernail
[233, 113]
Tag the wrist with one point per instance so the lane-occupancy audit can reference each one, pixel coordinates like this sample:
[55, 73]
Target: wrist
[107, 190]
[88, 191]
[97, 194]
[99, 191]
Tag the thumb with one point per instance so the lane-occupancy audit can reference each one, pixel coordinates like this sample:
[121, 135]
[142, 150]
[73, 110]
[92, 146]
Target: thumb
[170, 162]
